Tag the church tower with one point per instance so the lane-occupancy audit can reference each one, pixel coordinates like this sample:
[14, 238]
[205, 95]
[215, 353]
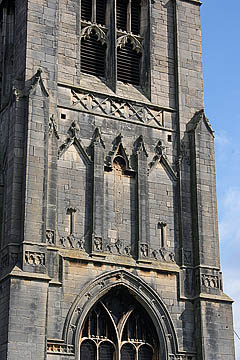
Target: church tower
[109, 237]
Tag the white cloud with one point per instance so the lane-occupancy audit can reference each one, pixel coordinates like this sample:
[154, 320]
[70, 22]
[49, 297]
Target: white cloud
[230, 210]
[222, 138]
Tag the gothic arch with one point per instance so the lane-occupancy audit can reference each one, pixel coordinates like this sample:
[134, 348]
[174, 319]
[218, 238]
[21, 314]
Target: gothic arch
[141, 291]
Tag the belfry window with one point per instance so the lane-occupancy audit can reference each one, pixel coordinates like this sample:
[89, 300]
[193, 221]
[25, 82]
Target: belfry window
[118, 328]
[115, 40]
[129, 41]
[93, 37]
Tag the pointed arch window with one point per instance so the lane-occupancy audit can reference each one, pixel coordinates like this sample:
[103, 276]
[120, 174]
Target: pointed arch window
[115, 41]
[118, 328]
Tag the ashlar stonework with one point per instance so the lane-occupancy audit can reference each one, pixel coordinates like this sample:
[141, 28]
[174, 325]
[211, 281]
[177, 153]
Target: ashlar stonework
[109, 237]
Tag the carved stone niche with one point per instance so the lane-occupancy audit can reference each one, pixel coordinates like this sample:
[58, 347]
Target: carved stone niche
[50, 237]
[118, 157]
[34, 258]
[208, 280]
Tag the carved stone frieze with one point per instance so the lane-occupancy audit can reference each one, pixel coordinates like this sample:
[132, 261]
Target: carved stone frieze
[34, 258]
[59, 347]
[73, 242]
[118, 248]
[211, 281]
[119, 108]
[182, 357]
[163, 254]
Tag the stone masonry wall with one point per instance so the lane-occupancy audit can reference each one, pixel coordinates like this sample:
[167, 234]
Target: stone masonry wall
[98, 181]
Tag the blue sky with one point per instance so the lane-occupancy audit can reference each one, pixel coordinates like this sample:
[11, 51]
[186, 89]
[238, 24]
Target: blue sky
[221, 54]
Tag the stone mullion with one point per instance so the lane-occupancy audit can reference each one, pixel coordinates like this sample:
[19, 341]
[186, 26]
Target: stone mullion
[143, 250]
[98, 197]
[111, 52]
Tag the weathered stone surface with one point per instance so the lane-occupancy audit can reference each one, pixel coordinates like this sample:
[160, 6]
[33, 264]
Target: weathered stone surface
[105, 185]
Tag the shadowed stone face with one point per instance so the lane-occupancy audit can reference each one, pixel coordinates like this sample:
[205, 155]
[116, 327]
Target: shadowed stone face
[108, 227]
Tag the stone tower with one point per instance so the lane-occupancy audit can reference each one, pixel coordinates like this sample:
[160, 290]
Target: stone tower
[109, 237]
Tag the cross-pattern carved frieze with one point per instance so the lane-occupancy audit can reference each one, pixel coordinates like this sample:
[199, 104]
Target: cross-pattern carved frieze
[119, 108]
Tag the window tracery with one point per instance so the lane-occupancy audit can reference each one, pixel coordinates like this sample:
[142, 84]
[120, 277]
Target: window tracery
[118, 328]
[107, 43]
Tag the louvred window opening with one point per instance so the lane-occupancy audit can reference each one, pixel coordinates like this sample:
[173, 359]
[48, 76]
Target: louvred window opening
[93, 56]
[128, 59]
[122, 9]
[86, 10]
[128, 64]
[135, 16]
[93, 49]
[101, 12]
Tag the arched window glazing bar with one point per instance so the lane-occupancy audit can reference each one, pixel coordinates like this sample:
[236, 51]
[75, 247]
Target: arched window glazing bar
[118, 328]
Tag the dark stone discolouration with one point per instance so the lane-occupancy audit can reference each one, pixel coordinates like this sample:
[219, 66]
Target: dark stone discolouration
[106, 185]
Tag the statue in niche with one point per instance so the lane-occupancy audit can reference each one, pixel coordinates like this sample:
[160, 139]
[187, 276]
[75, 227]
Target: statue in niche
[144, 250]
[98, 243]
